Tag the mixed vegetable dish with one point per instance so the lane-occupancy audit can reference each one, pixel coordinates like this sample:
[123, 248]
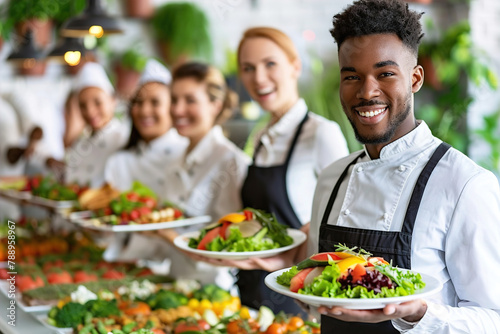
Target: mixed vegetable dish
[247, 231]
[348, 273]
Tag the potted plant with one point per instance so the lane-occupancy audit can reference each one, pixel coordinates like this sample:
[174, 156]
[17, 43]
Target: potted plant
[457, 62]
[182, 31]
[128, 69]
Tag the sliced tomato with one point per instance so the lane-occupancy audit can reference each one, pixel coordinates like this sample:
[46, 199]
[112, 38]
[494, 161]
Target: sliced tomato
[133, 197]
[177, 213]
[135, 214]
[62, 277]
[211, 235]
[248, 214]
[113, 274]
[223, 229]
[82, 276]
[324, 256]
[297, 281]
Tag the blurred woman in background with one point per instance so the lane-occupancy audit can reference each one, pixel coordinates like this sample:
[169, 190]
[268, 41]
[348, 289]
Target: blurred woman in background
[207, 179]
[153, 143]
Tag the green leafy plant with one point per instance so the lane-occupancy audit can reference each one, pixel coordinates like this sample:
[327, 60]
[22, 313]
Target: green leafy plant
[457, 62]
[133, 60]
[184, 28]
[490, 134]
[322, 98]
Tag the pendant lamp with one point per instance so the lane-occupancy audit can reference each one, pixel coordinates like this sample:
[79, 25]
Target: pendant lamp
[69, 50]
[26, 49]
[93, 21]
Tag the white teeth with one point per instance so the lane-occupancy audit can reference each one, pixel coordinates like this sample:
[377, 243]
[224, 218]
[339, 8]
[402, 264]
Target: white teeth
[264, 91]
[371, 113]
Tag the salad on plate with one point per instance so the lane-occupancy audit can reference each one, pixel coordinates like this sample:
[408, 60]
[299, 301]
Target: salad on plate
[350, 273]
[251, 230]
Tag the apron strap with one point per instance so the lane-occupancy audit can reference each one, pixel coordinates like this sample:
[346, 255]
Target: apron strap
[335, 191]
[418, 190]
[292, 146]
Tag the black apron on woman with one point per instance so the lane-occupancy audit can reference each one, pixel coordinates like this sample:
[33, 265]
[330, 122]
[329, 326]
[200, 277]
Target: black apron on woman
[265, 189]
[395, 246]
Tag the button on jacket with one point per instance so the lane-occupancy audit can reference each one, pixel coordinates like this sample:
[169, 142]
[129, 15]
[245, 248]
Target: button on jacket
[146, 163]
[321, 142]
[456, 233]
[86, 159]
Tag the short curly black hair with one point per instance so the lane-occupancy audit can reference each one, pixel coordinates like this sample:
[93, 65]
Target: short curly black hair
[366, 17]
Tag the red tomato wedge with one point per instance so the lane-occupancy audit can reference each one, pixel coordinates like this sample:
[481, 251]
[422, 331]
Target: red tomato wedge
[324, 256]
[223, 229]
[211, 235]
[297, 281]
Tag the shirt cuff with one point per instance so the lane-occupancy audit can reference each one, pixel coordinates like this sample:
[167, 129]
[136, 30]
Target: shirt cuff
[434, 318]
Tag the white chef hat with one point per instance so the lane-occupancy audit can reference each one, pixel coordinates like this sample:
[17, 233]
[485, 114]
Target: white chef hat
[155, 72]
[93, 75]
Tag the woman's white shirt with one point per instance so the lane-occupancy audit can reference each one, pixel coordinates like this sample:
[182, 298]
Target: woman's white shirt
[86, 159]
[320, 143]
[208, 180]
[146, 163]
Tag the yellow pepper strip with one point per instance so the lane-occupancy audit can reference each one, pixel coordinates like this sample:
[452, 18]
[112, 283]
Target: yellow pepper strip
[233, 218]
[350, 262]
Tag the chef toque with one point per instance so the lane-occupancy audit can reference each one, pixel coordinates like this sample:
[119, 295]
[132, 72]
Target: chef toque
[155, 72]
[93, 75]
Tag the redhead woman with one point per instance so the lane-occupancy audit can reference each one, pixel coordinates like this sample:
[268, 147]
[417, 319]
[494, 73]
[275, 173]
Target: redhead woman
[290, 152]
[153, 143]
[207, 179]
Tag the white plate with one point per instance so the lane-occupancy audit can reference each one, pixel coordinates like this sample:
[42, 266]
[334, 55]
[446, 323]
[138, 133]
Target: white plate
[4, 287]
[432, 286]
[15, 194]
[83, 219]
[49, 203]
[44, 320]
[182, 242]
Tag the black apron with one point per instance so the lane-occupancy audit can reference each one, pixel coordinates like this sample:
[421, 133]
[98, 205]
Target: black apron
[395, 246]
[265, 189]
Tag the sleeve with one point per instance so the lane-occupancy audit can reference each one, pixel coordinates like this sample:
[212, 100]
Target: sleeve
[229, 181]
[472, 258]
[330, 145]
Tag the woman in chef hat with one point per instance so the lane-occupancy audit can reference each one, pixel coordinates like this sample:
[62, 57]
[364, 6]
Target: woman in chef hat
[153, 143]
[86, 159]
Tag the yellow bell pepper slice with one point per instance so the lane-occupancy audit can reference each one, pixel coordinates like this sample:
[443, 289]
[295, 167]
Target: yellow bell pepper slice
[350, 262]
[233, 218]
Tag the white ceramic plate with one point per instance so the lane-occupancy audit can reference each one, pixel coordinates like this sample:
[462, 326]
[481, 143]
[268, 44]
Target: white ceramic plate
[4, 287]
[182, 242]
[15, 194]
[432, 286]
[83, 219]
[51, 204]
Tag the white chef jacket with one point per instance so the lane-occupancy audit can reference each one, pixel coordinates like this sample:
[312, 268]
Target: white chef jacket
[146, 163]
[208, 180]
[86, 159]
[456, 233]
[320, 143]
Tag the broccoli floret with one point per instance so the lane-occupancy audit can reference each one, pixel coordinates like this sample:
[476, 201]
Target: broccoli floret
[102, 308]
[166, 300]
[70, 315]
[212, 292]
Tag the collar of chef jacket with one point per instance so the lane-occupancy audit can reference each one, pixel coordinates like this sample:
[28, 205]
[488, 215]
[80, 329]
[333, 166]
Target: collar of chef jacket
[164, 143]
[205, 147]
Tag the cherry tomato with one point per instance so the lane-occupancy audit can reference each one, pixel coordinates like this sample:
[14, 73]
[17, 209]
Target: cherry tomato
[295, 323]
[276, 328]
